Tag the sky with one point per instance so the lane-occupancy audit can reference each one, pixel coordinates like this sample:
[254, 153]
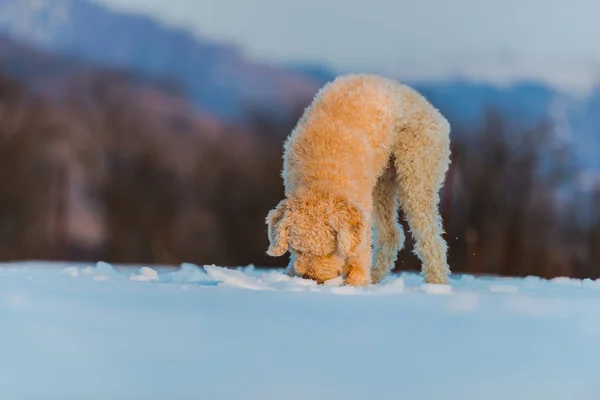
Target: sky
[414, 34]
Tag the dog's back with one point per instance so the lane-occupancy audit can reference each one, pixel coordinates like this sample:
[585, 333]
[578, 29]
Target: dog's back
[344, 135]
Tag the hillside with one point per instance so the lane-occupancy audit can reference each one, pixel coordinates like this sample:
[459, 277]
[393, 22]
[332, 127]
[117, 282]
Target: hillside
[216, 76]
[54, 75]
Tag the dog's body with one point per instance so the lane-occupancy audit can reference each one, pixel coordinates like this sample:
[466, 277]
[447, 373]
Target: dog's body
[364, 144]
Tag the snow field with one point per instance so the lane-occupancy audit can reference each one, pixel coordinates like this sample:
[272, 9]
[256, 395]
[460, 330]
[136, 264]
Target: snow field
[100, 332]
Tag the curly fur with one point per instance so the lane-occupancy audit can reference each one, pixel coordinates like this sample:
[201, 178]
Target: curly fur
[365, 146]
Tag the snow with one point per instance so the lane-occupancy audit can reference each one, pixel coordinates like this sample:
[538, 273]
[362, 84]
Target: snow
[100, 332]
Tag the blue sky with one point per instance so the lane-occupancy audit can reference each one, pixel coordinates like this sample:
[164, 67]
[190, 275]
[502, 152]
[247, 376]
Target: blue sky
[389, 33]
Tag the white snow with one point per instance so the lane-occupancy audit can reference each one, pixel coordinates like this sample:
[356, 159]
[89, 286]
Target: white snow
[99, 332]
[437, 289]
[145, 274]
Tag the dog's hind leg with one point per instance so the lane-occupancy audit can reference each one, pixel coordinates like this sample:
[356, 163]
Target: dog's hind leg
[422, 160]
[388, 234]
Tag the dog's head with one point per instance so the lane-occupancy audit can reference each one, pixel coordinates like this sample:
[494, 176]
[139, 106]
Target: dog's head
[320, 231]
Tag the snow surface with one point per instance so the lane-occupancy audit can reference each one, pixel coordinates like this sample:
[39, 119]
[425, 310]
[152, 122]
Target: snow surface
[98, 332]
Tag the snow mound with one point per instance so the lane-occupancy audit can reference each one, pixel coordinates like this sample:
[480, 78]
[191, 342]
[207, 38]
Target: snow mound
[145, 274]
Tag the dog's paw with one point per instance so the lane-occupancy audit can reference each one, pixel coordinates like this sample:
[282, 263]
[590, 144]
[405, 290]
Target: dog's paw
[356, 277]
[434, 277]
[378, 277]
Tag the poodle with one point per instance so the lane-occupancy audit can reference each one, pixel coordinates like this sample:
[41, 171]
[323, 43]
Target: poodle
[365, 145]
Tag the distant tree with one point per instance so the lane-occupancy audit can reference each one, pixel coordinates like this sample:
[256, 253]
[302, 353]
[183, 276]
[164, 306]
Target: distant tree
[503, 218]
[31, 160]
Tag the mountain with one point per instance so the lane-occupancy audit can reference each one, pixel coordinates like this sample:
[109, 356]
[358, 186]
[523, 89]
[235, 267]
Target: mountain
[217, 77]
[222, 81]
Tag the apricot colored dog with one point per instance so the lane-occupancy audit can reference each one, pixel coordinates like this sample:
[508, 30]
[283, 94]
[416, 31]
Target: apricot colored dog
[365, 145]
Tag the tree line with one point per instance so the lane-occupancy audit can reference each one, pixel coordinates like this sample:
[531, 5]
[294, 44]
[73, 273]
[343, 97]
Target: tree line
[123, 173]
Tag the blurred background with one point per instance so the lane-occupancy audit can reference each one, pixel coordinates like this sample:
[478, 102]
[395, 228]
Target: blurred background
[150, 132]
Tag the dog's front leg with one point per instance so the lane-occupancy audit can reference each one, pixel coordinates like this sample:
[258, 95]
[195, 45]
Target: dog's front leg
[357, 271]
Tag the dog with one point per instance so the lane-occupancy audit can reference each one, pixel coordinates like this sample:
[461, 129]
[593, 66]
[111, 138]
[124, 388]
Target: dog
[365, 146]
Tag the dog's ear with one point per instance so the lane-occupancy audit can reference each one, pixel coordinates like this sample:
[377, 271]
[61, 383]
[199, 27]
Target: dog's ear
[278, 230]
[349, 224]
